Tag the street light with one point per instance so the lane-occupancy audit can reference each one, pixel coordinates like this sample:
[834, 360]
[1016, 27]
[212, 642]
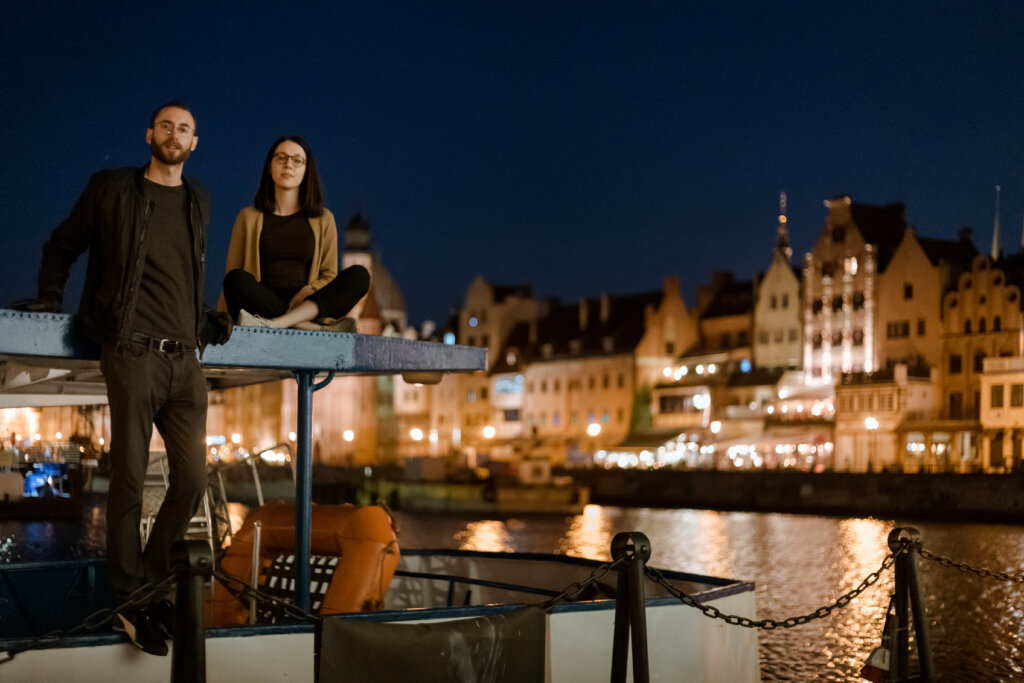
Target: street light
[872, 426]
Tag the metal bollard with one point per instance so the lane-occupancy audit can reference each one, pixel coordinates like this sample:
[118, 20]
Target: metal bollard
[908, 589]
[634, 549]
[193, 564]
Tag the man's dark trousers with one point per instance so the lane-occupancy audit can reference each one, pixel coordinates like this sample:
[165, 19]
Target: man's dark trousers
[147, 387]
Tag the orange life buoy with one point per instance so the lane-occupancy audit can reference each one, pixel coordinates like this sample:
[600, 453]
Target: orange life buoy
[363, 538]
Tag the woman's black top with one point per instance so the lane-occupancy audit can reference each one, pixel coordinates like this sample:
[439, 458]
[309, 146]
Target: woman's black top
[286, 253]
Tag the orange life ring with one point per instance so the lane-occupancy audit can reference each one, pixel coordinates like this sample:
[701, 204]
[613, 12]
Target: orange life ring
[363, 538]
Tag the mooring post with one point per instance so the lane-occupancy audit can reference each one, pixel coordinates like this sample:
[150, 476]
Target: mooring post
[907, 598]
[634, 549]
[193, 565]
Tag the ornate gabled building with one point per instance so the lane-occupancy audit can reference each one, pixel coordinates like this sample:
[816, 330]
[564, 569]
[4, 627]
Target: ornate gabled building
[841, 287]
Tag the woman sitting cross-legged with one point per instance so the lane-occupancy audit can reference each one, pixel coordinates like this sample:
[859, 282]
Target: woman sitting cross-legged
[282, 265]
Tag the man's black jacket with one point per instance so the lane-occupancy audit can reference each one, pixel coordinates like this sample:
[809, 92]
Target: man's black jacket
[110, 219]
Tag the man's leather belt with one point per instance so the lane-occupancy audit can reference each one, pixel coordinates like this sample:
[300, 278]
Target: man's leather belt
[157, 344]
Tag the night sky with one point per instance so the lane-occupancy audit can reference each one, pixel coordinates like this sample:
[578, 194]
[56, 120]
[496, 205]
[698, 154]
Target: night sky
[582, 147]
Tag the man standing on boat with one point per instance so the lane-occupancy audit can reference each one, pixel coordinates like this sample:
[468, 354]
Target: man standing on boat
[145, 230]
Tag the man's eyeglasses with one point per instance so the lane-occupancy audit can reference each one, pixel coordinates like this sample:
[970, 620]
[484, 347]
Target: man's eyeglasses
[282, 159]
[168, 128]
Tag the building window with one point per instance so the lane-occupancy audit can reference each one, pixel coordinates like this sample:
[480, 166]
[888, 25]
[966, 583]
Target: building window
[897, 329]
[816, 307]
[981, 324]
[837, 338]
[779, 335]
[839, 235]
[785, 300]
[850, 265]
[573, 417]
[920, 327]
[858, 337]
[816, 340]
[483, 393]
[858, 301]
[605, 417]
[726, 340]
[741, 338]
[556, 386]
[955, 364]
[512, 415]
[543, 386]
[979, 361]
[619, 414]
[997, 395]
[885, 401]
[670, 348]
[773, 302]
[470, 396]
[592, 383]
[837, 303]
[967, 327]
[1016, 395]
[908, 290]
[556, 418]
[997, 324]
[605, 382]
[792, 334]
[763, 336]
[956, 406]
[622, 380]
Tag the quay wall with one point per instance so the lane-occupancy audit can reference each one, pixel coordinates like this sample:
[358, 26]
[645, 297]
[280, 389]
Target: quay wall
[973, 497]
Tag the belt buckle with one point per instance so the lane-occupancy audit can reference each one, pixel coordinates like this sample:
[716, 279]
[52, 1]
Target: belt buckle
[170, 343]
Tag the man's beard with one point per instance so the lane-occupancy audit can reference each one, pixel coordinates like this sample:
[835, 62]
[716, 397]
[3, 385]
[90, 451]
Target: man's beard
[170, 157]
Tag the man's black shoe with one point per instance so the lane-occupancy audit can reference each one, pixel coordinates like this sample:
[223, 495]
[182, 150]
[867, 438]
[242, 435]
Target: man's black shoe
[162, 612]
[142, 630]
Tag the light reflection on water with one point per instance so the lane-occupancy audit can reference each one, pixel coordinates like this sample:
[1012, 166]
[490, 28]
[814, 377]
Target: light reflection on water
[799, 563]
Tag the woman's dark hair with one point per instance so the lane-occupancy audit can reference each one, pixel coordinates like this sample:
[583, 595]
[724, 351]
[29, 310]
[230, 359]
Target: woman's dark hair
[311, 195]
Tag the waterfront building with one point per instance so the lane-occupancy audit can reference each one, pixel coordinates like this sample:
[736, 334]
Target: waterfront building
[870, 421]
[841, 287]
[587, 369]
[909, 296]
[1002, 414]
[777, 340]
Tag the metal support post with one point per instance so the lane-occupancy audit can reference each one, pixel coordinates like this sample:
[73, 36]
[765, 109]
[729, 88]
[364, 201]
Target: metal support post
[630, 606]
[303, 486]
[193, 565]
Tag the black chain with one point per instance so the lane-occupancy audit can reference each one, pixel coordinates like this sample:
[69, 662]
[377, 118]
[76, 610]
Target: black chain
[573, 590]
[964, 567]
[240, 589]
[139, 598]
[772, 624]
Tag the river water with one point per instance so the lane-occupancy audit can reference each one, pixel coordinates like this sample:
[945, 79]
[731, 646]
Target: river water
[799, 563]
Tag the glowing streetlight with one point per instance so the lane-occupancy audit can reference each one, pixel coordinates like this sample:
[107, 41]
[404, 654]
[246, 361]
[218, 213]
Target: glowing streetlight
[416, 433]
[593, 429]
[716, 427]
[489, 432]
[348, 435]
[59, 436]
[236, 438]
[291, 436]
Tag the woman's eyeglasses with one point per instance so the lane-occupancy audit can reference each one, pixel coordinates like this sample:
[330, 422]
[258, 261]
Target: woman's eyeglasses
[282, 159]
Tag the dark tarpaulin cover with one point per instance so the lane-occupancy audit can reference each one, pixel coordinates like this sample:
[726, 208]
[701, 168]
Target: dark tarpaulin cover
[490, 649]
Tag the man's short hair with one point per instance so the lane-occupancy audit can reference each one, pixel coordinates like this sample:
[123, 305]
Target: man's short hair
[177, 104]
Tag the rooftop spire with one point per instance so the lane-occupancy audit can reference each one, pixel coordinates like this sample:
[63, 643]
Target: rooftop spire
[782, 239]
[995, 229]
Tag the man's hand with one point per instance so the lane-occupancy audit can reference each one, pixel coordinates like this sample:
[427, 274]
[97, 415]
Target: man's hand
[300, 296]
[42, 304]
[217, 328]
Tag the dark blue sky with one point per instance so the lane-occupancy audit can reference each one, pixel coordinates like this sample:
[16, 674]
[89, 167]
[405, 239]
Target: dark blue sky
[583, 147]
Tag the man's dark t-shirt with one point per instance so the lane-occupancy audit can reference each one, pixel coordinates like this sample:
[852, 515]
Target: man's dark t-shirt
[165, 306]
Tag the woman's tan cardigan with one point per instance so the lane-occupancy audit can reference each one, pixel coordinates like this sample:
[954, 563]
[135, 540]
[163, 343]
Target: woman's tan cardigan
[244, 250]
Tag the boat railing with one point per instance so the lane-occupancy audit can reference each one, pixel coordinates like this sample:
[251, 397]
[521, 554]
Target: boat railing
[453, 581]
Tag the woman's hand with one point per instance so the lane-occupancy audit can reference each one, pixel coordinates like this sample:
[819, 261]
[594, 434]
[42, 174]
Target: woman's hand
[300, 296]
